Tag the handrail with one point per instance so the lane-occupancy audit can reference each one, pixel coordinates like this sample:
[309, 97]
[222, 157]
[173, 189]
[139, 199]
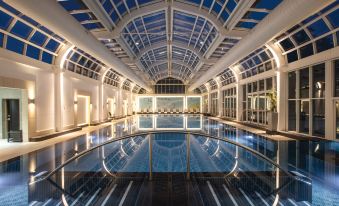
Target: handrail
[163, 131]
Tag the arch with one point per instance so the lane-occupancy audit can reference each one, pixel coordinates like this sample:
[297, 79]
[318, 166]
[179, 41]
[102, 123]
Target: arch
[163, 5]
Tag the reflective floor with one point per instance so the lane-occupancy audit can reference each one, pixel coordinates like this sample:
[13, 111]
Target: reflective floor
[316, 160]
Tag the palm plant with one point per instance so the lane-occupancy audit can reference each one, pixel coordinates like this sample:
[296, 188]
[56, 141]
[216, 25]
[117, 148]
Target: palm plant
[272, 96]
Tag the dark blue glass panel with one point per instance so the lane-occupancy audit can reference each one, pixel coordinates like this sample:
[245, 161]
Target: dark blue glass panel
[122, 9]
[32, 52]
[318, 28]
[300, 37]
[264, 56]
[334, 18]
[247, 25]
[73, 5]
[22, 30]
[38, 38]
[287, 44]
[231, 5]
[47, 58]
[131, 4]
[216, 8]
[1, 39]
[306, 51]
[144, 1]
[207, 3]
[224, 15]
[324, 43]
[15, 45]
[82, 17]
[255, 15]
[29, 20]
[292, 56]
[52, 45]
[93, 26]
[114, 16]
[266, 4]
[5, 20]
[9, 8]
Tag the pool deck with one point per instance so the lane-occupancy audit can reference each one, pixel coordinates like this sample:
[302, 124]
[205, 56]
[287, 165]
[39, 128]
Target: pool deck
[257, 131]
[13, 149]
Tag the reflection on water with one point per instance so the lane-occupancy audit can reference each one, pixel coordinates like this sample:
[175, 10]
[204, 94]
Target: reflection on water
[317, 160]
[169, 122]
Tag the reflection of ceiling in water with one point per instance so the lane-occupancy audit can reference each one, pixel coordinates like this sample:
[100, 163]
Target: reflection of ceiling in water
[169, 140]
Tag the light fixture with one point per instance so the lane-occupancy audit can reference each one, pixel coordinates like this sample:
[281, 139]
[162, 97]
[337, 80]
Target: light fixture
[31, 101]
[318, 85]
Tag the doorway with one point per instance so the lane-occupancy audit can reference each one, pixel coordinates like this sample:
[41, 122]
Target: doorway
[11, 120]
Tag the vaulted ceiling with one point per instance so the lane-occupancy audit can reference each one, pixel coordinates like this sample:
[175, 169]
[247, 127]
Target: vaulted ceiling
[169, 38]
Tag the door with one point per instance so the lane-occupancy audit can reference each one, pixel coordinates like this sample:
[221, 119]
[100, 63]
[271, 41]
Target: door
[12, 124]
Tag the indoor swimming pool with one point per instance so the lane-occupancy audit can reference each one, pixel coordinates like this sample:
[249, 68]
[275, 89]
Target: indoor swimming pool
[180, 159]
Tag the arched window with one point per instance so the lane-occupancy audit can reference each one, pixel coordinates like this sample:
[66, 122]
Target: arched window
[169, 86]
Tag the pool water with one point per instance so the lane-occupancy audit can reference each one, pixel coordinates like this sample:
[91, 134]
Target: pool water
[317, 160]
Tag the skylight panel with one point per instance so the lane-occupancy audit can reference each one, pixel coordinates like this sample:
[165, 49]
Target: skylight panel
[318, 28]
[20, 29]
[5, 20]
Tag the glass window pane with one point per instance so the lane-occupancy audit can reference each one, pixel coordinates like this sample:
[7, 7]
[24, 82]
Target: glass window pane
[306, 51]
[292, 115]
[15, 45]
[1, 39]
[269, 84]
[22, 30]
[300, 37]
[33, 52]
[5, 20]
[287, 44]
[38, 38]
[304, 116]
[318, 28]
[292, 85]
[261, 85]
[333, 18]
[319, 81]
[324, 43]
[336, 78]
[304, 83]
[319, 117]
[52, 45]
[47, 57]
[292, 56]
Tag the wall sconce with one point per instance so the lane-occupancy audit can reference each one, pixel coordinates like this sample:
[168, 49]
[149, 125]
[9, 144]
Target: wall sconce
[75, 102]
[31, 101]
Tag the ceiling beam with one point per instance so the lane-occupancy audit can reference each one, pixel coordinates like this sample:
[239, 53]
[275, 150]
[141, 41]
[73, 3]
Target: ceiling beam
[100, 13]
[240, 10]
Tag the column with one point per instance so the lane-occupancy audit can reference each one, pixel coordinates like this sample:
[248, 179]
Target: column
[102, 102]
[239, 100]
[220, 106]
[58, 99]
[282, 100]
[330, 112]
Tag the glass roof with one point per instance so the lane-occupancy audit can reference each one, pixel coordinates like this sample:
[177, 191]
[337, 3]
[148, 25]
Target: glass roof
[23, 35]
[313, 35]
[259, 61]
[169, 38]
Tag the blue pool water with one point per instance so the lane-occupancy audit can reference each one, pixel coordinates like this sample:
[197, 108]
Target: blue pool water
[318, 160]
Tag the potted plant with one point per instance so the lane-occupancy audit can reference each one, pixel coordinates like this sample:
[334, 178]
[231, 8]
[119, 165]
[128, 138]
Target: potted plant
[272, 115]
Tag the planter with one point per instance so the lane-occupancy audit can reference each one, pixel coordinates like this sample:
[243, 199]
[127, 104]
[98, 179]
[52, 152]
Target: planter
[272, 118]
